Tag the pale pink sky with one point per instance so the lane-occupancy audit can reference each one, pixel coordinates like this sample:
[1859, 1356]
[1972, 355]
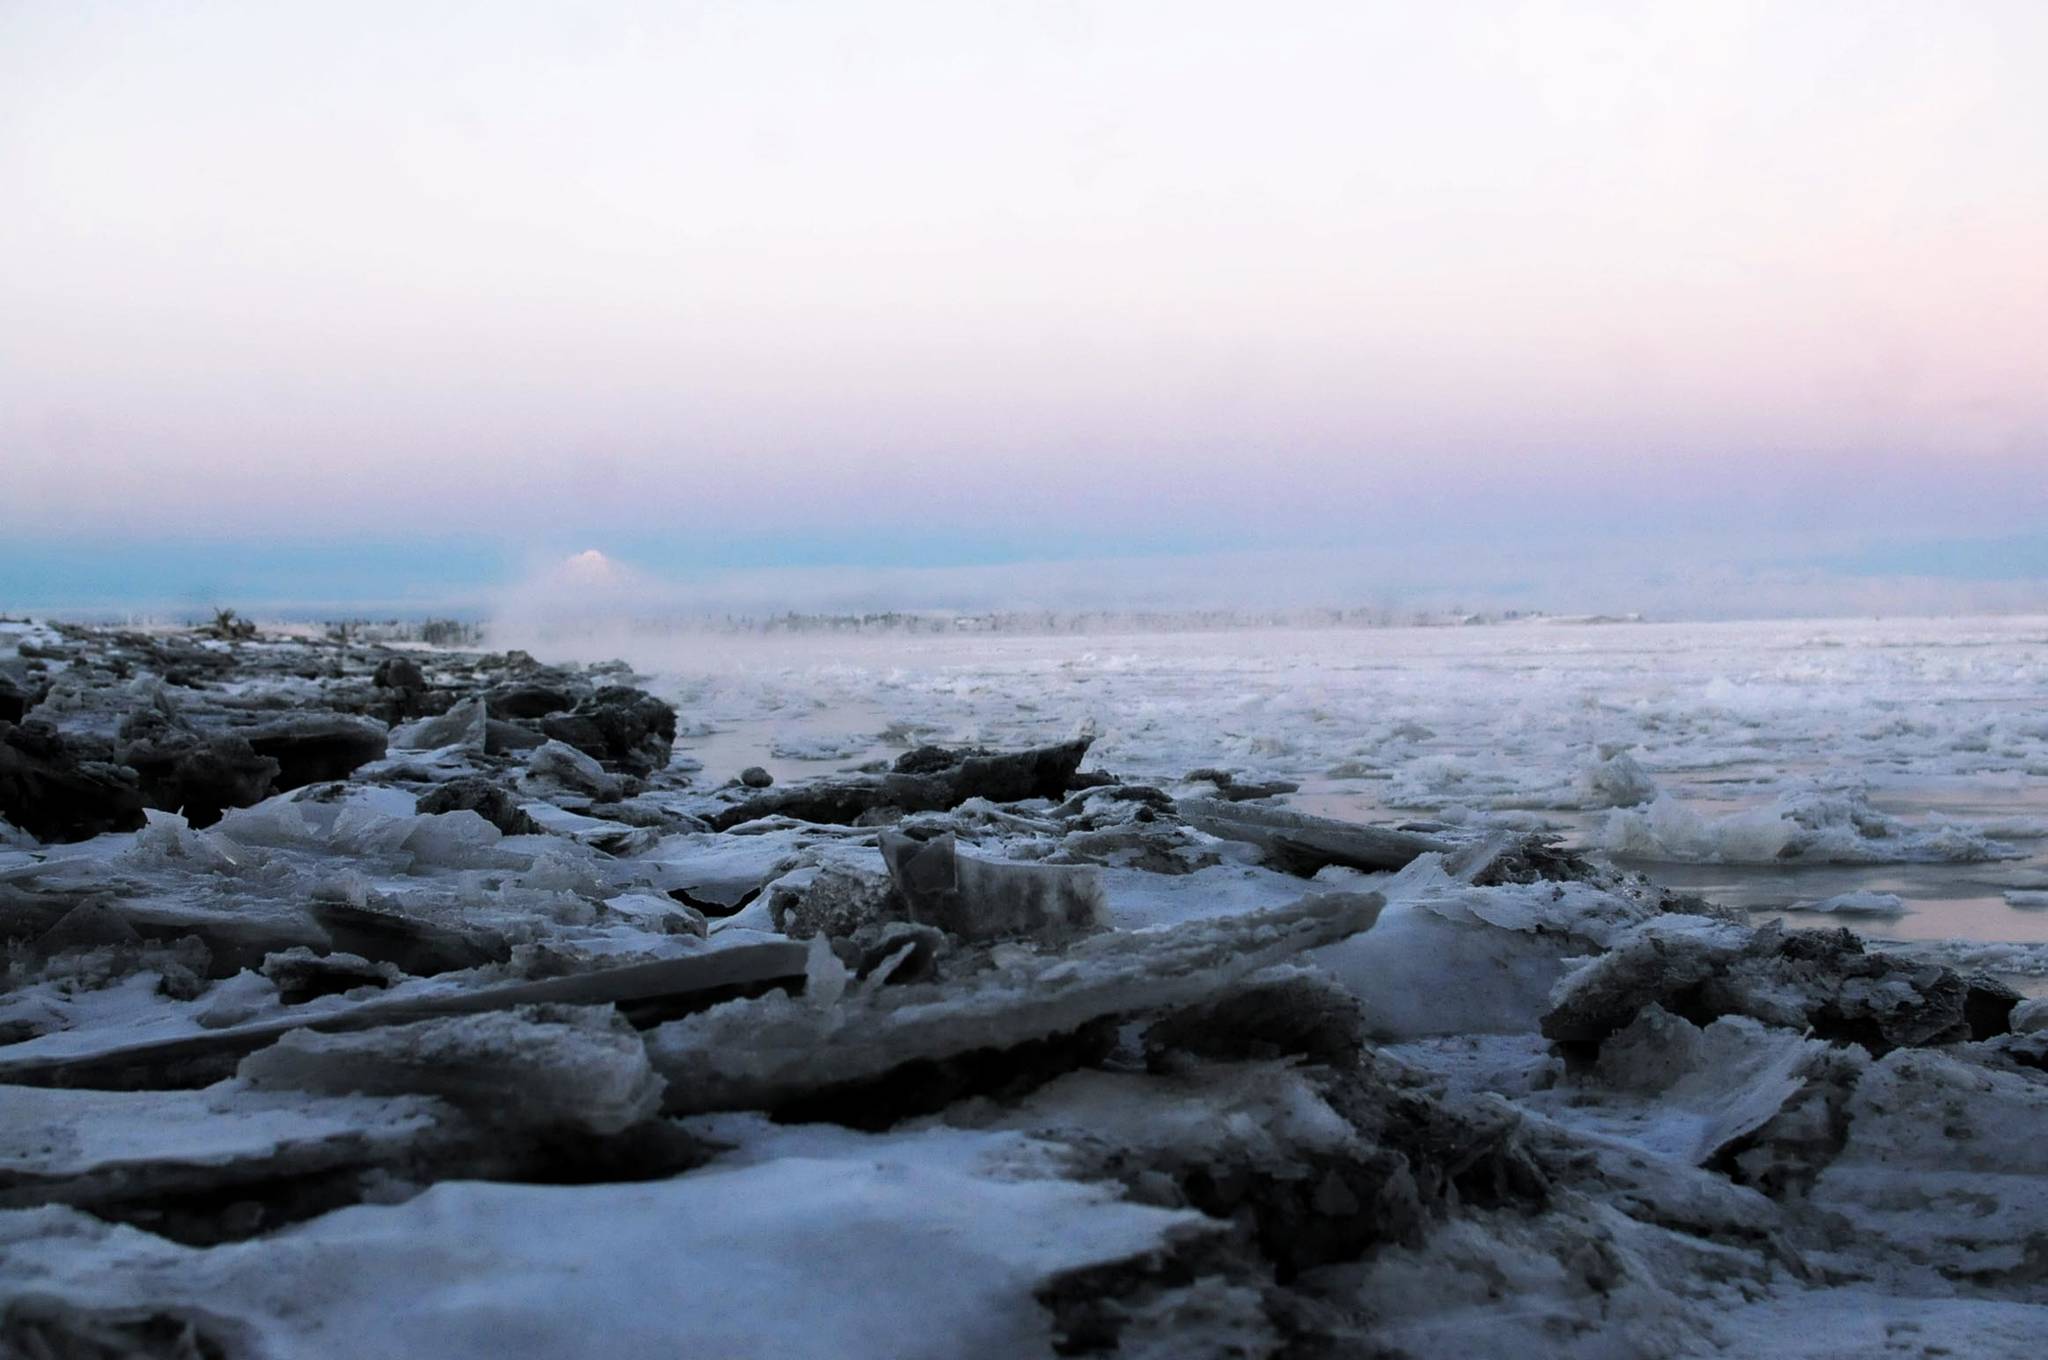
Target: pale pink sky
[1170, 268]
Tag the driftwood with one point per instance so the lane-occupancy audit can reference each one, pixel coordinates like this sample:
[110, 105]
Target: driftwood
[1300, 844]
[653, 991]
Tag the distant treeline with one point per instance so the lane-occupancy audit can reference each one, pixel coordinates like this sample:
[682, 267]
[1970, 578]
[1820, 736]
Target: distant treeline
[1086, 621]
[432, 632]
[460, 632]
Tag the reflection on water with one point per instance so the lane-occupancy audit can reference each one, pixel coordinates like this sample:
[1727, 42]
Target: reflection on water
[735, 745]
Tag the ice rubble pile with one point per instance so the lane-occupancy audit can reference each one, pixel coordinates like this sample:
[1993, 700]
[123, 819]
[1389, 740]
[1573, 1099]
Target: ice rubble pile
[508, 1025]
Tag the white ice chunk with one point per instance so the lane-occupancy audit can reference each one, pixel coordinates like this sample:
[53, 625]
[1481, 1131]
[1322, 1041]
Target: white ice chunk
[571, 768]
[462, 727]
[1862, 902]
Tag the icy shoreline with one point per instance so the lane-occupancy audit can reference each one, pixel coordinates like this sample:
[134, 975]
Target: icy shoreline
[504, 1015]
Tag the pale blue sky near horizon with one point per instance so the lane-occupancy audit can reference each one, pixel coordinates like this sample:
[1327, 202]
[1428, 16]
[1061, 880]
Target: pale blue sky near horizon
[472, 576]
[1542, 301]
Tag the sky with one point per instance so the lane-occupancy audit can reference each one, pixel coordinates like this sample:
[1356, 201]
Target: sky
[1706, 307]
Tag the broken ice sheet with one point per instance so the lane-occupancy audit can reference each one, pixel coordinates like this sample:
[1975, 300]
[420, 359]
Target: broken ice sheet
[805, 1242]
[1684, 1092]
[774, 1050]
[545, 1066]
[94, 1147]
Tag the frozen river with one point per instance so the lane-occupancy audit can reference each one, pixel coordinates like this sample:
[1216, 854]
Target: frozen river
[1766, 765]
[279, 1078]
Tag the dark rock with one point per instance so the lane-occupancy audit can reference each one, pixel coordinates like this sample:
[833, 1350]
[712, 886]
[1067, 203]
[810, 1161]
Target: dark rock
[47, 791]
[414, 946]
[650, 816]
[200, 777]
[516, 661]
[1244, 793]
[1306, 1014]
[1535, 858]
[754, 777]
[301, 974]
[931, 759]
[1416, 1154]
[527, 699]
[1988, 1006]
[1607, 994]
[1297, 843]
[16, 698]
[1818, 980]
[1231, 789]
[503, 738]
[830, 804]
[928, 1085]
[924, 786]
[1012, 777]
[625, 729]
[495, 803]
[399, 672]
[311, 750]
